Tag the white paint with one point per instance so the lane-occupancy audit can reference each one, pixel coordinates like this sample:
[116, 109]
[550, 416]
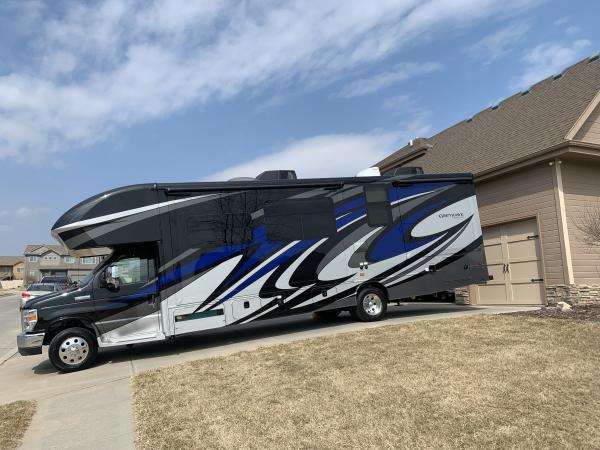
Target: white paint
[338, 266]
[283, 282]
[445, 218]
[201, 288]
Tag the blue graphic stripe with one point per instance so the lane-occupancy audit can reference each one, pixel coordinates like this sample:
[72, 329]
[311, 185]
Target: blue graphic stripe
[356, 203]
[299, 247]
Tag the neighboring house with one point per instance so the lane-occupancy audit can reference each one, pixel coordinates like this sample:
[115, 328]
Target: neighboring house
[12, 267]
[42, 260]
[536, 161]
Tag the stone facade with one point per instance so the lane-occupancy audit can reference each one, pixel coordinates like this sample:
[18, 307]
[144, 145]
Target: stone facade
[462, 296]
[573, 293]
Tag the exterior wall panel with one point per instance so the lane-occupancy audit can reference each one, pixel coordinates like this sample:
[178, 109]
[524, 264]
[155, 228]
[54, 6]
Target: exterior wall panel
[581, 183]
[590, 130]
[527, 193]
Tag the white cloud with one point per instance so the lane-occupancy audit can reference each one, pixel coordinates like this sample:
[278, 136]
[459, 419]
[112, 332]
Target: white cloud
[499, 43]
[101, 66]
[573, 29]
[328, 155]
[548, 59]
[377, 82]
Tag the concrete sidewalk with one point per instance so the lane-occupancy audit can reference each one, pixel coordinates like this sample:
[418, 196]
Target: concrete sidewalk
[98, 400]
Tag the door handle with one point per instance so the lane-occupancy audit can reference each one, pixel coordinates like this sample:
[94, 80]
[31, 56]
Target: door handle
[533, 280]
[81, 298]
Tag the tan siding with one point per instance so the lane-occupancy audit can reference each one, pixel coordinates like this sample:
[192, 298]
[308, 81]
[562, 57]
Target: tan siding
[590, 130]
[526, 193]
[582, 190]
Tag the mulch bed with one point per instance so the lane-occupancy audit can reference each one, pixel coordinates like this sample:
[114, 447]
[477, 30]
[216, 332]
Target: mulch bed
[590, 313]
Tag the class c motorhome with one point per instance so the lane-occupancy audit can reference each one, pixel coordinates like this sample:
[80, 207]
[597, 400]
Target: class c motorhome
[194, 256]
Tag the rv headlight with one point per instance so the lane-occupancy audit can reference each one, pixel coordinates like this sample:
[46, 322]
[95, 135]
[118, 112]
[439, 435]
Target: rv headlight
[29, 319]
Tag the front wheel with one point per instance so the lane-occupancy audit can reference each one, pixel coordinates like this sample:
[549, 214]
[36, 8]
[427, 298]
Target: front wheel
[371, 305]
[73, 349]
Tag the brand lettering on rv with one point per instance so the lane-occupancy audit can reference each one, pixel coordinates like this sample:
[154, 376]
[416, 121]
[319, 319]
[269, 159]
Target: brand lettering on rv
[457, 215]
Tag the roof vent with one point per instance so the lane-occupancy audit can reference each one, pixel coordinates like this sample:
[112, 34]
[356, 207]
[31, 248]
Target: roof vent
[274, 175]
[557, 76]
[496, 106]
[369, 172]
[526, 91]
[594, 57]
[470, 119]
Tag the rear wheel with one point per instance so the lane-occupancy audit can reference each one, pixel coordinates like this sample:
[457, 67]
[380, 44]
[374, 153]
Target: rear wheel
[371, 305]
[330, 314]
[73, 349]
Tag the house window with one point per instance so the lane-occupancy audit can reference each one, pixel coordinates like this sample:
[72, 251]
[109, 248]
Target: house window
[379, 212]
[32, 258]
[69, 259]
[298, 219]
[51, 257]
[19, 270]
[89, 260]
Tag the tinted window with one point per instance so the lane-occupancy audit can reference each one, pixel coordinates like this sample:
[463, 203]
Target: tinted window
[131, 270]
[379, 211]
[41, 287]
[204, 231]
[298, 219]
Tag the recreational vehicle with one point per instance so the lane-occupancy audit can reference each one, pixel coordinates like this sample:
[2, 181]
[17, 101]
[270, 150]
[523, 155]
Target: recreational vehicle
[188, 257]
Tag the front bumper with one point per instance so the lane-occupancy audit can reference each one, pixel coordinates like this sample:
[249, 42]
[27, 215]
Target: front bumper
[30, 343]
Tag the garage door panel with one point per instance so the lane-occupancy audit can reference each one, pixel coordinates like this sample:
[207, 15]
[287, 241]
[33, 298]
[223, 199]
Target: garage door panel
[496, 271]
[524, 271]
[493, 253]
[528, 293]
[517, 231]
[492, 294]
[526, 249]
[513, 257]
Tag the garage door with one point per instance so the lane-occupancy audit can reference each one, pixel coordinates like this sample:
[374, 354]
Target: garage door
[513, 255]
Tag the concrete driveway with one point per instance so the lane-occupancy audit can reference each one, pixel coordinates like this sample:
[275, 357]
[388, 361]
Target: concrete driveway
[98, 400]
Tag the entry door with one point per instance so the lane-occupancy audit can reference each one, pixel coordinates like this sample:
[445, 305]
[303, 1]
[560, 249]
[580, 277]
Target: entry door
[513, 255]
[126, 301]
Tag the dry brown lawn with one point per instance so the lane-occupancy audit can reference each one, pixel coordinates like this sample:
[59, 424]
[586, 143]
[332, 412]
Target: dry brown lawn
[14, 420]
[475, 382]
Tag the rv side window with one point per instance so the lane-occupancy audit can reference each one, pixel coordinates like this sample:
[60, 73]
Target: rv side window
[225, 229]
[379, 212]
[299, 219]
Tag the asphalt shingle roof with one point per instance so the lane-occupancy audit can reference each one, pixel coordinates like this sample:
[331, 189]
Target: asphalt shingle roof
[521, 125]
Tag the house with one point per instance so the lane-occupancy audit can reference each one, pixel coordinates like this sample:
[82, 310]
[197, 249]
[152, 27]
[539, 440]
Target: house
[46, 259]
[536, 161]
[12, 267]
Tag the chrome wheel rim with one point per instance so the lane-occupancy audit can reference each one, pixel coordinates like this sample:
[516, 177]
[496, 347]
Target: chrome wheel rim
[372, 304]
[73, 350]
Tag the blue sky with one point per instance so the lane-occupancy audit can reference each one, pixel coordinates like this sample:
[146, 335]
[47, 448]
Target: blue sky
[95, 95]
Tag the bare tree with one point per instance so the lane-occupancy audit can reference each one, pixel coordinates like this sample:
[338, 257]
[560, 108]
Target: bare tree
[589, 225]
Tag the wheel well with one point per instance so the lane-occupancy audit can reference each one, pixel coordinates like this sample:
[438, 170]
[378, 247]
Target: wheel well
[375, 284]
[62, 324]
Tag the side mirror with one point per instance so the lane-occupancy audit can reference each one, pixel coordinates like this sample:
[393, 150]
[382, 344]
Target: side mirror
[110, 278]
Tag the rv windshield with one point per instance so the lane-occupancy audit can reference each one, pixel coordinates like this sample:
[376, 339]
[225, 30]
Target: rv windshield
[90, 275]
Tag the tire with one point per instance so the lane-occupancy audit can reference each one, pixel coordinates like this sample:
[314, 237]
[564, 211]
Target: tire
[73, 349]
[371, 305]
[330, 314]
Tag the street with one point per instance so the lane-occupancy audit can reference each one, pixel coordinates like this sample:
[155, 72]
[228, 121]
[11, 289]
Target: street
[9, 324]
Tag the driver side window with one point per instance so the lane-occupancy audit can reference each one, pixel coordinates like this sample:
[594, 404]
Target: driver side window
[130, 270]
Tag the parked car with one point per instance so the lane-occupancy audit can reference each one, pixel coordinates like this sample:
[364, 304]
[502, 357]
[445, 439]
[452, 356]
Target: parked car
[37, 289]
[66, 282]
